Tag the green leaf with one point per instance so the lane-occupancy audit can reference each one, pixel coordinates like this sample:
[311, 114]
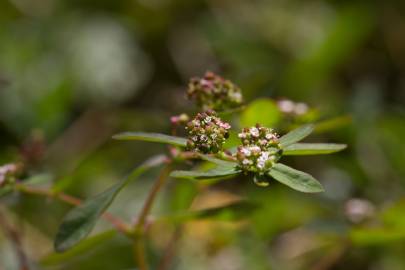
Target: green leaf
[296, 135]
[151, 137]
[263, 111]
[79, 222]
[295, 179]
[298, 149]
[218, 172]
[85, 246]
[229, 212]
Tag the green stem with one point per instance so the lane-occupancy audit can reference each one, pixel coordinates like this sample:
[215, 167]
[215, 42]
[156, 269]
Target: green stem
[13, 235]
[139, 229]
[170, 250]
[151, 198]
[139, 253]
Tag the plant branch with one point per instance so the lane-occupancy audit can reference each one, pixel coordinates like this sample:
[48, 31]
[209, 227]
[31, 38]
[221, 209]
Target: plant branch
[151, 198]
[14, 237]
[139, 243]
[170, 250]
[140, 254]
[120, 225]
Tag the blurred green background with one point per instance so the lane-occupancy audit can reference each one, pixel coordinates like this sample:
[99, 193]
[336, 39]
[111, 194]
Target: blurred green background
[73, 73]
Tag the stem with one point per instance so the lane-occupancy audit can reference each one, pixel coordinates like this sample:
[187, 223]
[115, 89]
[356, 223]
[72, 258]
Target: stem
[139, 229]
[170, 250]
[140, 254]
[16, 241]
[151, 198]
[120, 225]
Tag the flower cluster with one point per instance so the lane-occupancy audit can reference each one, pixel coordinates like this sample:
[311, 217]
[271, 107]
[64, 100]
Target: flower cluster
[259, 151]
[8, 172]
[214, 92]
[207, 133]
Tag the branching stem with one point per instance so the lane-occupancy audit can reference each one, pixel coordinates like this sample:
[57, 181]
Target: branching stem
[139, 229]
[14, 237]
[120, 225]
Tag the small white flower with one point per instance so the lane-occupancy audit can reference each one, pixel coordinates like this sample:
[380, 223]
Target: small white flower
[261, 160]
[246, 162]
[203, 138]
[208, 119]
[260, 164]
[263, 142]
[254, 132]
[270, 136]
[265, 155]
[246, 151]
[196, 123]
[255, 149]
[225, 125]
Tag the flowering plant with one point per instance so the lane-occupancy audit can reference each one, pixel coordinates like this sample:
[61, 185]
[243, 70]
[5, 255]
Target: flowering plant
[257, 157]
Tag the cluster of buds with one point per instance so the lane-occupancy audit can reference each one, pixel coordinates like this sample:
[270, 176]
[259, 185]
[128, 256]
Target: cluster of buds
[207, 133]
[259, 151]
[214, 92]
[8, 172]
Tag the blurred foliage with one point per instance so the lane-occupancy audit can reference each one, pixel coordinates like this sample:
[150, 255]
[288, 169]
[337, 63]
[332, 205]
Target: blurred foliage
[72, 73]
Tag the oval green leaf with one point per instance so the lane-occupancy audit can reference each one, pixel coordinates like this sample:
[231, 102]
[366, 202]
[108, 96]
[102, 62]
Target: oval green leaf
[85, 246]
[79, 222]
[299, 149]
[218, 172]
[295, 179]
[296, 135]
[151, 137]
